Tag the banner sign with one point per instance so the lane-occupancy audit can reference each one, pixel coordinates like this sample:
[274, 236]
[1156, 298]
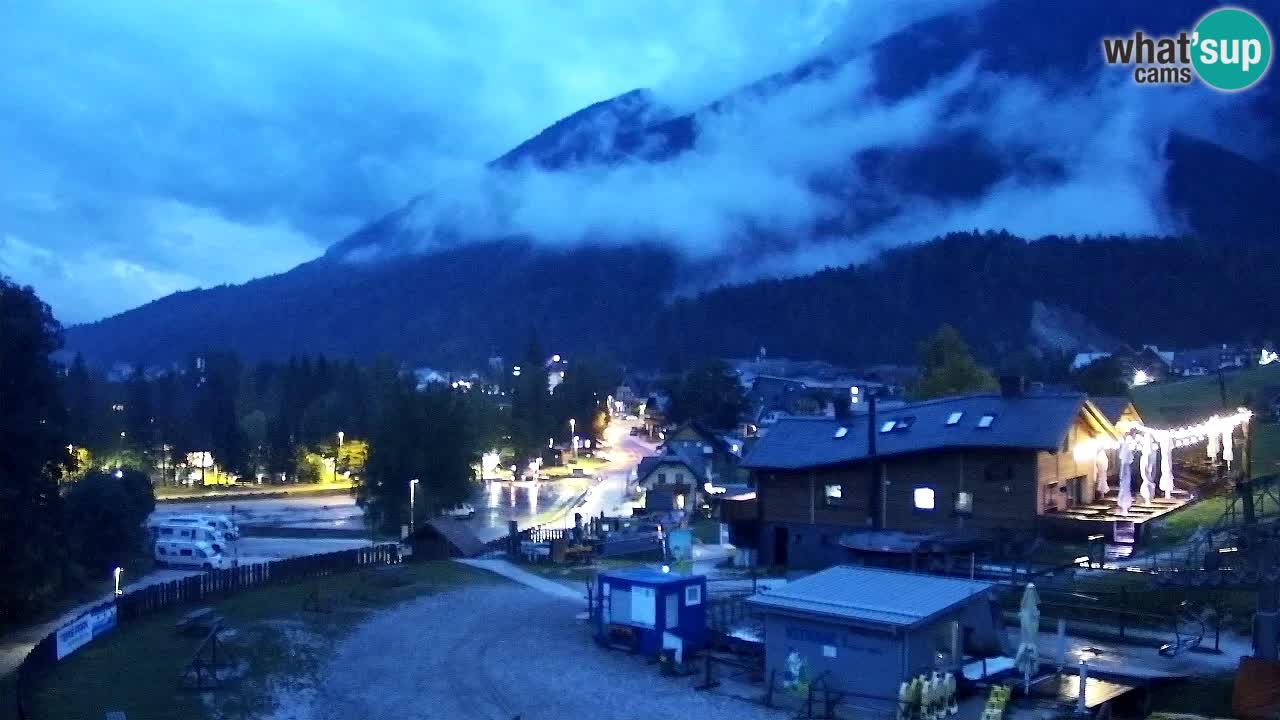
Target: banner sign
[77, 633]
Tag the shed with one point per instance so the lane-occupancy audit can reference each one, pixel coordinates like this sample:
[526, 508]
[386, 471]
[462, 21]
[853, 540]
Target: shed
[442, 538]
[869, 629]
[645, 611]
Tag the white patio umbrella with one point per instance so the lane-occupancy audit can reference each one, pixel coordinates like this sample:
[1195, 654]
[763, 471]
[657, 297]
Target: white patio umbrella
[1213, 446]
[1166, 465]
[1028, 656]
[1100, 468]
[1227, 452]
[1125, 498]
[1146, 470]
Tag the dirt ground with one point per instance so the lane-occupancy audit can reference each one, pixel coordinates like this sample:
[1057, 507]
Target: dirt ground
[494, 653]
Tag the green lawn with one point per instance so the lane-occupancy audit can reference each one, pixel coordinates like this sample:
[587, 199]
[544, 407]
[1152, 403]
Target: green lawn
[136, 668]
[1166, 403]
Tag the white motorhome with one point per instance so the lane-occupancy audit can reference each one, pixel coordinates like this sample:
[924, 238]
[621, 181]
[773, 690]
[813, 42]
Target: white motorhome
[183, 532]
[221, 523]
[184, 553]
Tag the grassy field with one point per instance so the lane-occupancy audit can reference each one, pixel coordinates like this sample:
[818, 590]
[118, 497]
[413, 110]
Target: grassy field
[270, 640]
[1167, 403]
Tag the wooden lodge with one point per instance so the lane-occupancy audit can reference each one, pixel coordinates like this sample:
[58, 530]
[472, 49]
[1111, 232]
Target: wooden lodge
[941, 475]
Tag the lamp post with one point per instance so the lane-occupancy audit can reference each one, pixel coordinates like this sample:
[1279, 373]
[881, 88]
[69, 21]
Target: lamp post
[117, 573]
[337, 455]
[412, 485]
[573, 424]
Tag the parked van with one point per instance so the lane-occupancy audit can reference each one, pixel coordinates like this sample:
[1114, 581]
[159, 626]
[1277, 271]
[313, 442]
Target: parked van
[191, 533]
[221, 523]
[184, 553]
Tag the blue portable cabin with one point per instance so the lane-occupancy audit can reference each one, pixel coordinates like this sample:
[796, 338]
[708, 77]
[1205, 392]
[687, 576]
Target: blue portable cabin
[635, 607]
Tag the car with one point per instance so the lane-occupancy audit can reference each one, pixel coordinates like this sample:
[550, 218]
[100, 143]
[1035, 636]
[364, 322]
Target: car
[461, 511]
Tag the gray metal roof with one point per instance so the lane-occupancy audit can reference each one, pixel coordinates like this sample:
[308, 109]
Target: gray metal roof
[687, 456]
[1035, 422]
[871, 596]
[1111, 406]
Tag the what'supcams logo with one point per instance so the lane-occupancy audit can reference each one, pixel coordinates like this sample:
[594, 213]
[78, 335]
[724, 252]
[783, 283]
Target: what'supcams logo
[1229, 49]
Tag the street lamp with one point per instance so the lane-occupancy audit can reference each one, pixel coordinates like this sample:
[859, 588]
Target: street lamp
[412, 484]
[118, 572]
[573, 425]
[337, 455]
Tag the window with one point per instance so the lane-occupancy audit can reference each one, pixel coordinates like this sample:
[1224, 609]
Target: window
[186, 552]
[833, 494]
[679, 501]
[923, 498]
[693, 595]
[841, 431]
[986, 420]
[662, 478]
[954, 418]
[680, 478]
[161, 551]
[964, 503]
[888, 426]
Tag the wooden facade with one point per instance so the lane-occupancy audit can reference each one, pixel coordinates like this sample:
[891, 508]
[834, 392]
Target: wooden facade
[958, 491]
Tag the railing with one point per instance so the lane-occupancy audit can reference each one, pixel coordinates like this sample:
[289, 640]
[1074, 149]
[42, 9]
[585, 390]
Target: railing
[214, 584]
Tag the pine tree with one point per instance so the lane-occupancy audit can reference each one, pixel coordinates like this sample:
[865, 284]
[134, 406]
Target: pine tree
[33, 454]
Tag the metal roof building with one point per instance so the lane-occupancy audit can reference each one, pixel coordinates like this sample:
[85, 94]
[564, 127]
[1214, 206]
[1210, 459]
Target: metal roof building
[865, 630]
[989, 420]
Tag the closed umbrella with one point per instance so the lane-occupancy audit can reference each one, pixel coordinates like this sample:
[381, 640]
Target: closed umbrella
[1146, 470]
[1212, 447]
[1125, 499]
[1028, 656]
[1227, 453]
[1166, 464]
[1100, 469]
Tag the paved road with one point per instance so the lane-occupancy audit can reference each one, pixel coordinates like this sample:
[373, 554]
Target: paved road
[528, 503]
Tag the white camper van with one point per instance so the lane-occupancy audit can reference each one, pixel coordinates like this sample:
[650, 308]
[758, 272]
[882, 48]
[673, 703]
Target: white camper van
[187, 554]
[167, 531]
[220, 523]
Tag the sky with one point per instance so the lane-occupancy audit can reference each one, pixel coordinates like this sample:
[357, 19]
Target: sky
[147, 147]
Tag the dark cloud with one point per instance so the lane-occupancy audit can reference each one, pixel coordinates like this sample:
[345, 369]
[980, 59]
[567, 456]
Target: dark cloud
[150, 147]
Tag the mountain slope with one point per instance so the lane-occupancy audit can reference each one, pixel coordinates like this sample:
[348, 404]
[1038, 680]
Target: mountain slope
[964, 120]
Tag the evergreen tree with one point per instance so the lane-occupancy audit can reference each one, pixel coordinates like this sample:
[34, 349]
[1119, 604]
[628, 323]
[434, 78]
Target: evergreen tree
[947, 368]
[33, 453]
[710, 393]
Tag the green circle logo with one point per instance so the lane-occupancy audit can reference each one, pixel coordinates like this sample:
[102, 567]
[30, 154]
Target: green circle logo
[1232, 49]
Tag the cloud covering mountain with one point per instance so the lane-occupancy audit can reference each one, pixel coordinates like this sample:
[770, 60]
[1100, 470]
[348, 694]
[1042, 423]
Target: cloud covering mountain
[148, 148]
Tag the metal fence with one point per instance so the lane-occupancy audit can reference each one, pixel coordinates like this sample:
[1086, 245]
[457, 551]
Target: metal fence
[211, 585]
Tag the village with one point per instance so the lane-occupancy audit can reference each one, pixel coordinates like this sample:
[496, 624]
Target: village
[842, 551]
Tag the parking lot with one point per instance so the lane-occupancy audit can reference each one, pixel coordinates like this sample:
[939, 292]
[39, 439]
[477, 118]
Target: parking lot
[494, 653]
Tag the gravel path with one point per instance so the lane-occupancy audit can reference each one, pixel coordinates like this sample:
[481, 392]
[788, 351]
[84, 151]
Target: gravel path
[492, 653]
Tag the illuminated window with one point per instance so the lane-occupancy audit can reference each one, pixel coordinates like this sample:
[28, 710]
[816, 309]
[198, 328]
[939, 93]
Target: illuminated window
[964, 502]
[986, 420]
[693, 595]
[954, 418]
[923, 498]
[680, 501]
[833, 494]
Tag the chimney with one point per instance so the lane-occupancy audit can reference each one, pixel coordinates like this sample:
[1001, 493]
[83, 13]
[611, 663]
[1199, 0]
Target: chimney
[871, 424]
[1012, 386]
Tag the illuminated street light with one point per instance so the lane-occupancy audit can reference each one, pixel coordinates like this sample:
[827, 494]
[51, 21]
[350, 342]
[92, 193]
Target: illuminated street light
[118, 572]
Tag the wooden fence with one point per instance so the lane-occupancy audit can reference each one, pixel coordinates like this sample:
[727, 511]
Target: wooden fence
[206, 587]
